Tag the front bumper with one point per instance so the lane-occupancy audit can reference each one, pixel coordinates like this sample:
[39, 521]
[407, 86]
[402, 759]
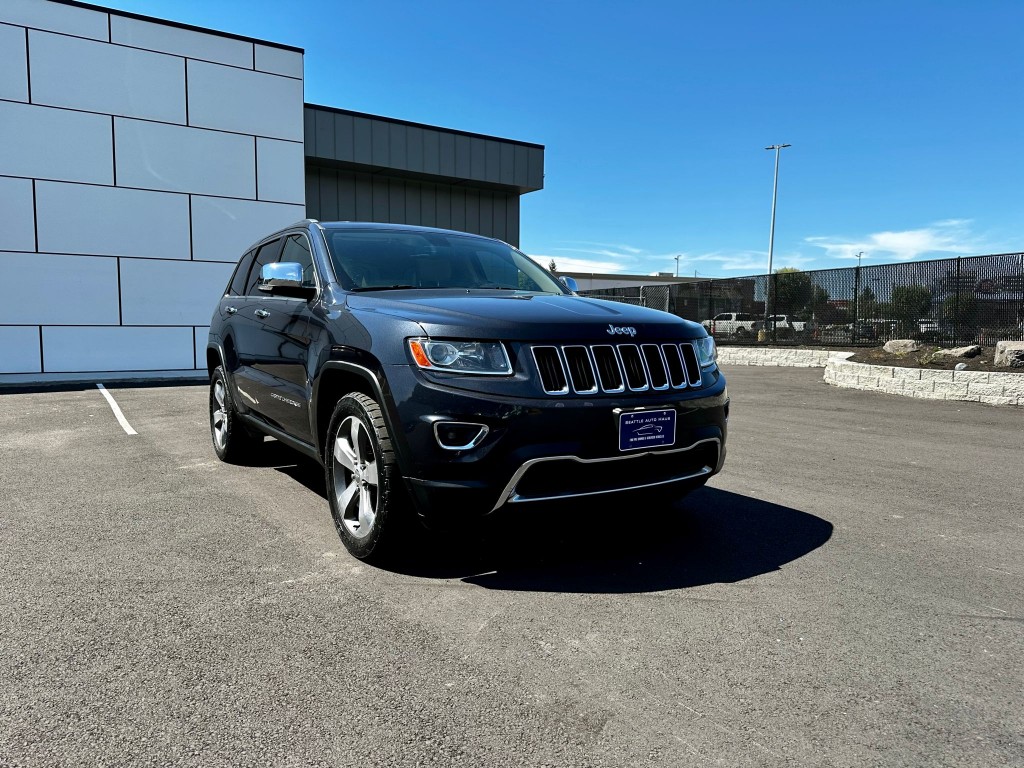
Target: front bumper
[543, 449]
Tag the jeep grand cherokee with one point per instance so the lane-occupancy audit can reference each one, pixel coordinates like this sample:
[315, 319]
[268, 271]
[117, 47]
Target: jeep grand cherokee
[446, 375]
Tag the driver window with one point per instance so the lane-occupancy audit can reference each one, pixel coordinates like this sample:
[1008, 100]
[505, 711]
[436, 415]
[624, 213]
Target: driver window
[266, 255]
[296, 250]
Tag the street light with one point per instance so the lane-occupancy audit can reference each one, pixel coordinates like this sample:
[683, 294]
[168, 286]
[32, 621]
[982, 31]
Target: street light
[677, 264]
[771, 232]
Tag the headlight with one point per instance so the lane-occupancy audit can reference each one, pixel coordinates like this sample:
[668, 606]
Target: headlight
[707, 353]
[481, 357]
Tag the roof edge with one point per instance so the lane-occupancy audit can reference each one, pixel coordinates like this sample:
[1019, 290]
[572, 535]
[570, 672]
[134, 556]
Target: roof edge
[353, 113]
[179, 25]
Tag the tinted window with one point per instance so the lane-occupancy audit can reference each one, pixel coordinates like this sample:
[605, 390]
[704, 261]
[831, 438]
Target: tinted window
[237, 286]
[267, 254]
[296, 249]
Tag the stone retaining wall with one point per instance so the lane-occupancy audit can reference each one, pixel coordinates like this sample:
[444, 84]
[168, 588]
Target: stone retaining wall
[974, 386]
[797, 358]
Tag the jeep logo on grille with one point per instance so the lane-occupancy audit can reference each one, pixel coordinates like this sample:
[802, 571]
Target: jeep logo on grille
[621, 330]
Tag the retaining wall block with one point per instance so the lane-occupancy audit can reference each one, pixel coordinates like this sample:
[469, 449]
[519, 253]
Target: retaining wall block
[951, 390]
[986, 390]
[978, 377]
[918, 386]
[906, 373]
[998, 400]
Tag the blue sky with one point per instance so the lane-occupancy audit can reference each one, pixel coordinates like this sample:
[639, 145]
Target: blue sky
[905, 117]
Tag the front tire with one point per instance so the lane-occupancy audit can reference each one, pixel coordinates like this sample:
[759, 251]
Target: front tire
[231, 441]
[363, 481]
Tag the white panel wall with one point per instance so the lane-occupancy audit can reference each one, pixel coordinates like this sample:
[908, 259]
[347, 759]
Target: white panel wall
[55, 17]
[187, 43]
[222, 228]
[171, 292]
[180, 159]
[122, 212]
[97, 77]
[20, 345]
[43, 143]
[13, 64]
[82, 218]
[43, 289]
[280, 171]
[241, 100]
[16, 229]
[71, 349]
[279, 61]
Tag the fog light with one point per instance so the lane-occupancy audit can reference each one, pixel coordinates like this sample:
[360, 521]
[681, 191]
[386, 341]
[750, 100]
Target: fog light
[459, 435]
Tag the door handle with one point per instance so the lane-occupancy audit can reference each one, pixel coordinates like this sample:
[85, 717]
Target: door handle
[230, 310]
[262, 313]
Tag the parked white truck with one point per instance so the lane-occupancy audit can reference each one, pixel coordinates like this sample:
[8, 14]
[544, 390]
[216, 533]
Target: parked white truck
[731, 324]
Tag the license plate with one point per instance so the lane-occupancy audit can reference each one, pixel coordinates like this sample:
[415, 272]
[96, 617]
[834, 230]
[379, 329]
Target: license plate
[646, 429]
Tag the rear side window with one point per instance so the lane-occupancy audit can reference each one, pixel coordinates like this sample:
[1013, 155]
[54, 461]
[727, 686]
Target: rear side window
[237, 285]
[296, 250]
[267, 254]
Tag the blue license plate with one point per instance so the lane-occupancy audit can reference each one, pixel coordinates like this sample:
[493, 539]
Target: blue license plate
[646, 429]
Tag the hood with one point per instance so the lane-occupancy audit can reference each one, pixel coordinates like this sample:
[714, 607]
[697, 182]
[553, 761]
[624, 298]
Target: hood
[458, 313]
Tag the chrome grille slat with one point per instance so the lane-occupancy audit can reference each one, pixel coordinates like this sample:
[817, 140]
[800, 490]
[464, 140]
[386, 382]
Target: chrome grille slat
[587, 369]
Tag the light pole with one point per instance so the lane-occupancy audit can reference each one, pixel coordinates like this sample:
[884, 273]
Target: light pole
[677, 264]
[771, 232]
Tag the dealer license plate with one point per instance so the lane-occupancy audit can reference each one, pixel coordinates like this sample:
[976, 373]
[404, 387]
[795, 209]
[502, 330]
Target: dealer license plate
[646, 429]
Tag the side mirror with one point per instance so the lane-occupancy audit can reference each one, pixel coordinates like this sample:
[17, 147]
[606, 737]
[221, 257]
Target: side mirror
[570, 283]
[282, 276]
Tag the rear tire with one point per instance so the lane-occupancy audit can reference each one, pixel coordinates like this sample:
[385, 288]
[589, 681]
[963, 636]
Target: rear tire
[364, 485]
[232, 442]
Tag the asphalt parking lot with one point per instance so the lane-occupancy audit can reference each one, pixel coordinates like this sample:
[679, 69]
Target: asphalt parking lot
[850, 591]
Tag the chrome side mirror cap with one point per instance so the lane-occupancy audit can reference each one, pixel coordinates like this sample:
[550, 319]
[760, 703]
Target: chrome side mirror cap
[285, 274]
[570, 283]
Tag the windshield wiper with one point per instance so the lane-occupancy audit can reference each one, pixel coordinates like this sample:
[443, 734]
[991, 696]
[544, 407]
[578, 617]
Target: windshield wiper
[362, 288]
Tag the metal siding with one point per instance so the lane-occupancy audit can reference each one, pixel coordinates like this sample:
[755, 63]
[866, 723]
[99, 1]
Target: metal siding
[472, 223]
[381, 203]
[364, 196]
[498, 217]
[477, 159]
[412, 203]
[463, 150]
[507, 167]
[492, 167]
[362, 141]
[521, 177]
[328, 194]
[381, 138]
[313, 193]
[447, 155]
[347, 196]
[344, 137]
[396, 146]
[512, 219]
[324, 143]
[486, 214]
[444, 206]
[309, 131]
[458, 208]
[431, 152]
[536, 167]
[428, 206]
[414, 149]
[396, 201]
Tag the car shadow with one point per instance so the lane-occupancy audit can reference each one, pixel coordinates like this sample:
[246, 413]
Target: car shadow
[616, 544]
[621, 546]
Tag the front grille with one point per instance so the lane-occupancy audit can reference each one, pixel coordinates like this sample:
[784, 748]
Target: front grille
[614, 368]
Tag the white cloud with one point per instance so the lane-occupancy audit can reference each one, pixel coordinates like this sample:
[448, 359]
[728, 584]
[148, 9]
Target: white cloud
[570, 264]
[942, 237]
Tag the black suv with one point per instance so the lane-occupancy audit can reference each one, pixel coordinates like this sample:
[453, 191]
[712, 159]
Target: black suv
[448, 375]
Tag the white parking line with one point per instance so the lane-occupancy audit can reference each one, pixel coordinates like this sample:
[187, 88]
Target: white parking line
[117, 410]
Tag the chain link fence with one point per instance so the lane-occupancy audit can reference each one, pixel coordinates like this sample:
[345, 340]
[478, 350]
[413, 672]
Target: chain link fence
[967, 300]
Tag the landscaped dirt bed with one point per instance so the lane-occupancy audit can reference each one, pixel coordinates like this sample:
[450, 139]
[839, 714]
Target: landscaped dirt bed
[925, 358]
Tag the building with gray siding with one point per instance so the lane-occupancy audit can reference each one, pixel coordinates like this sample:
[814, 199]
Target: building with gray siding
[140, 157]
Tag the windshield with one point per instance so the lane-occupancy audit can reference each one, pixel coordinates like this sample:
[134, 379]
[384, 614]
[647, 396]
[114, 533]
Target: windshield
[366, 260]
